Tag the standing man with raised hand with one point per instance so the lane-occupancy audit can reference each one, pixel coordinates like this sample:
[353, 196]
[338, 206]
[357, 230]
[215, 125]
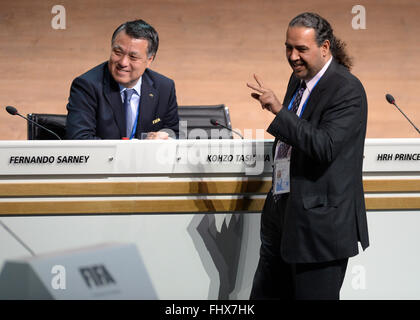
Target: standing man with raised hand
[122, 97]
[314, 215]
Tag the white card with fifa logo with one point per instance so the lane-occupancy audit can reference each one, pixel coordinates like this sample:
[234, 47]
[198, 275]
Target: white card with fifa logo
[281, 178]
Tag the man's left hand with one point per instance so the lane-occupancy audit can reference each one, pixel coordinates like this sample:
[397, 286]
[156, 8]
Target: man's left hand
[160, 135]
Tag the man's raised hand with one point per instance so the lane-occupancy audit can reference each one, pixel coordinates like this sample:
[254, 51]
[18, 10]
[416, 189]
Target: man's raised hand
[265, 96]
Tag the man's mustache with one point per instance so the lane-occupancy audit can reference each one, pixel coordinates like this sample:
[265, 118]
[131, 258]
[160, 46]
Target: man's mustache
[297, 62]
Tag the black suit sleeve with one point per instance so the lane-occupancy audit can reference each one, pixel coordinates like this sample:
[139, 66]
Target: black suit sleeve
[81, 108]
[340, 121]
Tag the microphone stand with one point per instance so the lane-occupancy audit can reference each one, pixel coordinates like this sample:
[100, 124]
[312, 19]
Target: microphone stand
[215, 123]
[37, 124]
[418, 131]
[391, 100]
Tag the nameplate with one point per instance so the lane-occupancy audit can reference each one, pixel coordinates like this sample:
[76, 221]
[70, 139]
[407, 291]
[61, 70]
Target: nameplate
[399, 155]
[52, 158]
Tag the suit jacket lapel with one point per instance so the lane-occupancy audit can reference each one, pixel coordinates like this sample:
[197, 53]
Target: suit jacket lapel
[148, 102]
[318, 90]
[113, 96]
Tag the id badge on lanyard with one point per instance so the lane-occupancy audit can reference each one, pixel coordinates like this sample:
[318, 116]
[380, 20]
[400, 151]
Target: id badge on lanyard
[281, 178]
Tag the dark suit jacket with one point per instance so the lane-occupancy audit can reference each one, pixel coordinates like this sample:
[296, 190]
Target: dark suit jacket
[95, 108]
[325, 216]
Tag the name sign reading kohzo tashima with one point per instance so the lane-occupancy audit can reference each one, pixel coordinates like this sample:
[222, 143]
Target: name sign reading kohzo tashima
[237, 157]
[398, 157]
[62, 159]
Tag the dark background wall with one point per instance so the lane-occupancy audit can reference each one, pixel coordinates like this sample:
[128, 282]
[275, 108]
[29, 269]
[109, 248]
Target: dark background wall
[211, 49]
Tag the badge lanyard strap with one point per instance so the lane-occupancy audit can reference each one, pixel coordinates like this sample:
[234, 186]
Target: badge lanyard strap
[306, 101]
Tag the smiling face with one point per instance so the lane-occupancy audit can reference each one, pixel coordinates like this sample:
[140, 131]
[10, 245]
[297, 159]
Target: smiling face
[129, 59]
[303, 53]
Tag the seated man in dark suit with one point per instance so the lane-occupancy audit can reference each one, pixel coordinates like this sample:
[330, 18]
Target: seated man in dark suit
[122, 98]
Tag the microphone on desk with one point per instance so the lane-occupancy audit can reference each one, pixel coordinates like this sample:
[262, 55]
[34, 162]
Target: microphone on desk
[216, 123]
[13, 111]
[391, 100]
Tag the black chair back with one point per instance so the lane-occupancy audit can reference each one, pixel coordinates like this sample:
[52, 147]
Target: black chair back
[54, 122]
[198, 125]
[194, 123]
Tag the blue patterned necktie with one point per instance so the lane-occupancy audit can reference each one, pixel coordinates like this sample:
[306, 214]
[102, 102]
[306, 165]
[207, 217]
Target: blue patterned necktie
[129, 117]
[283, 148]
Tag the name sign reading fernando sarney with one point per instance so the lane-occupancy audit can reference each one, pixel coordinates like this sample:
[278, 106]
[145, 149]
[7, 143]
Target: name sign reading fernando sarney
[49, 159]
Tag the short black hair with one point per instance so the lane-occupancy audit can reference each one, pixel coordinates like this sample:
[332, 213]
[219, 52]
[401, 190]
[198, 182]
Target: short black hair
[140, 29]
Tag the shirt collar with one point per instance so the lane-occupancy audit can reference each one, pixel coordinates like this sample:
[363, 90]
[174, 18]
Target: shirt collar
[137, 87]
[311, 83]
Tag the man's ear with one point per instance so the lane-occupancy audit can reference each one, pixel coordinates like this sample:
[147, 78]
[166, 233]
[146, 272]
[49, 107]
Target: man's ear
[150, 60]
[325, 47]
